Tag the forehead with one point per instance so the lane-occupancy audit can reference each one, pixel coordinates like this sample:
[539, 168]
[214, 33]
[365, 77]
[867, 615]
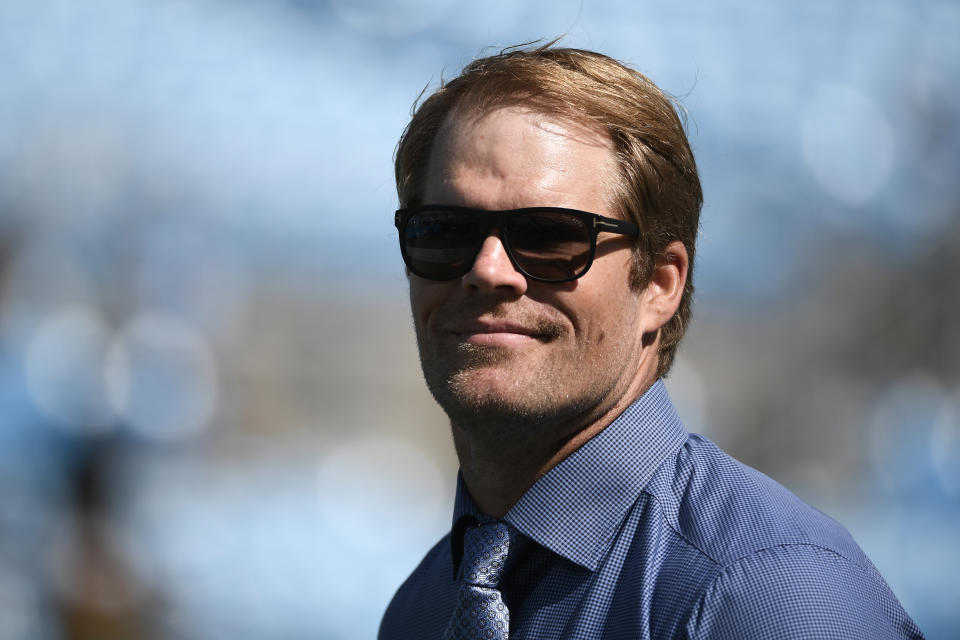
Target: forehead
[514, 156]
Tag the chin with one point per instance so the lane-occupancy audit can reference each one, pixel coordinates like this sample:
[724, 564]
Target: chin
[488, 396]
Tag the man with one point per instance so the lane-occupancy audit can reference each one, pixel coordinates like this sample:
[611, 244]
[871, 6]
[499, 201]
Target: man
[550, 205]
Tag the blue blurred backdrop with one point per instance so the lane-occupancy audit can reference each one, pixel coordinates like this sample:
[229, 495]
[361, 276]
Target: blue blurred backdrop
[212, 421]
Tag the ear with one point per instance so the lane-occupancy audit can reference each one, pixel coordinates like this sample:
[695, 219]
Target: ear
[661, 298]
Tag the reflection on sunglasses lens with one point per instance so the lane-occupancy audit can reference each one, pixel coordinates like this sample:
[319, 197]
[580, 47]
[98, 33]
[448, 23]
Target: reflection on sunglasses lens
[441, 244]
[550, 246]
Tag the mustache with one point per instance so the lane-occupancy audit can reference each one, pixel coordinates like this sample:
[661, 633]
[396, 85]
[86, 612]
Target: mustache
[539, 322]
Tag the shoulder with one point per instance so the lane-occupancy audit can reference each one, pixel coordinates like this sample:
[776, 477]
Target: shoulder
[424, 601]
[780, 568]
[728, 510]
[799, 591]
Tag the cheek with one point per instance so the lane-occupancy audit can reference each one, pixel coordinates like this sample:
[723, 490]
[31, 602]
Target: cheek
[607, 322]
[597, 306]
[425, 296]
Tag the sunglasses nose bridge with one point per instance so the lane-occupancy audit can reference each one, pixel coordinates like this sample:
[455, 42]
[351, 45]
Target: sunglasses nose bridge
[489, 222]
[486, 224]
[494, 267]
[495, 223]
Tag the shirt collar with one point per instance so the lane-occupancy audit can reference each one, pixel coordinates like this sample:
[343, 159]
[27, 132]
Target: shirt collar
[576, 508]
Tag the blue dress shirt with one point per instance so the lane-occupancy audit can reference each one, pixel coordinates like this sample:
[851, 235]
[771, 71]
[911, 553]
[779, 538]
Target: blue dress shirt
[649, 532]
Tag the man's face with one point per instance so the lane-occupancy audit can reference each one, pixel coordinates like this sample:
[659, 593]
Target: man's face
[494, 345]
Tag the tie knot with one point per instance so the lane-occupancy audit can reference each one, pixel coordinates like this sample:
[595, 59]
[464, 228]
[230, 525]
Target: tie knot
[485, 549]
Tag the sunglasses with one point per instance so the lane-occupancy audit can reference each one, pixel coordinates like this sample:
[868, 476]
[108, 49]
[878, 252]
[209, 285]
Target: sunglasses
[547, 244]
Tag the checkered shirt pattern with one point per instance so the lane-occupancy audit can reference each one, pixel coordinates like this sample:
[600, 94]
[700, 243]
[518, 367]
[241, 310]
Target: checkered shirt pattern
[647, 532]
[480, 612]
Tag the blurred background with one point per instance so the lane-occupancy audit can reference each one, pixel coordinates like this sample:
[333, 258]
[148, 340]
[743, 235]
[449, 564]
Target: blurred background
[212, 420]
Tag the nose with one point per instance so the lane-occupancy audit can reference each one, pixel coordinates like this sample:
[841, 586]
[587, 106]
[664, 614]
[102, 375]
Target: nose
[493, 271]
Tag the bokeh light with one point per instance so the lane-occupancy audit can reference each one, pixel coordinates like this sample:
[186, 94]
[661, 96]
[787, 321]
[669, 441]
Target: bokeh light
[162, 378]
[945, 444]
[848, 144]
[905, 423]
[65, 370]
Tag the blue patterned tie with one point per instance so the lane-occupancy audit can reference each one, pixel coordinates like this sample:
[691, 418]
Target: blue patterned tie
[481, 611]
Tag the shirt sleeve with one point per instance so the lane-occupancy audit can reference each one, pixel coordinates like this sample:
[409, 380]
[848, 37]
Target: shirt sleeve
[800, 592]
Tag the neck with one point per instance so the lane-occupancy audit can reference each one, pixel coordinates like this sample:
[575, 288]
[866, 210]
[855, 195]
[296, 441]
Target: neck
[500, 462]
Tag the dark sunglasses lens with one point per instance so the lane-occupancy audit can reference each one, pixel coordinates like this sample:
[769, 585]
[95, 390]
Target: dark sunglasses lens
[441, 245]
[550, 246]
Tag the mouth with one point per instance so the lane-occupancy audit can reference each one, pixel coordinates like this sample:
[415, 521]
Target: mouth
[501, 333]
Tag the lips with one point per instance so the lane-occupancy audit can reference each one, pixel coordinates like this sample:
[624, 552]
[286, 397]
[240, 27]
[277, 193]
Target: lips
[494, 326]
[495, 323]
[501, 332]
[497, 333]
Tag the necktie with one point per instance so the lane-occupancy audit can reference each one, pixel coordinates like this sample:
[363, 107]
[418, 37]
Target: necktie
[481, 612]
